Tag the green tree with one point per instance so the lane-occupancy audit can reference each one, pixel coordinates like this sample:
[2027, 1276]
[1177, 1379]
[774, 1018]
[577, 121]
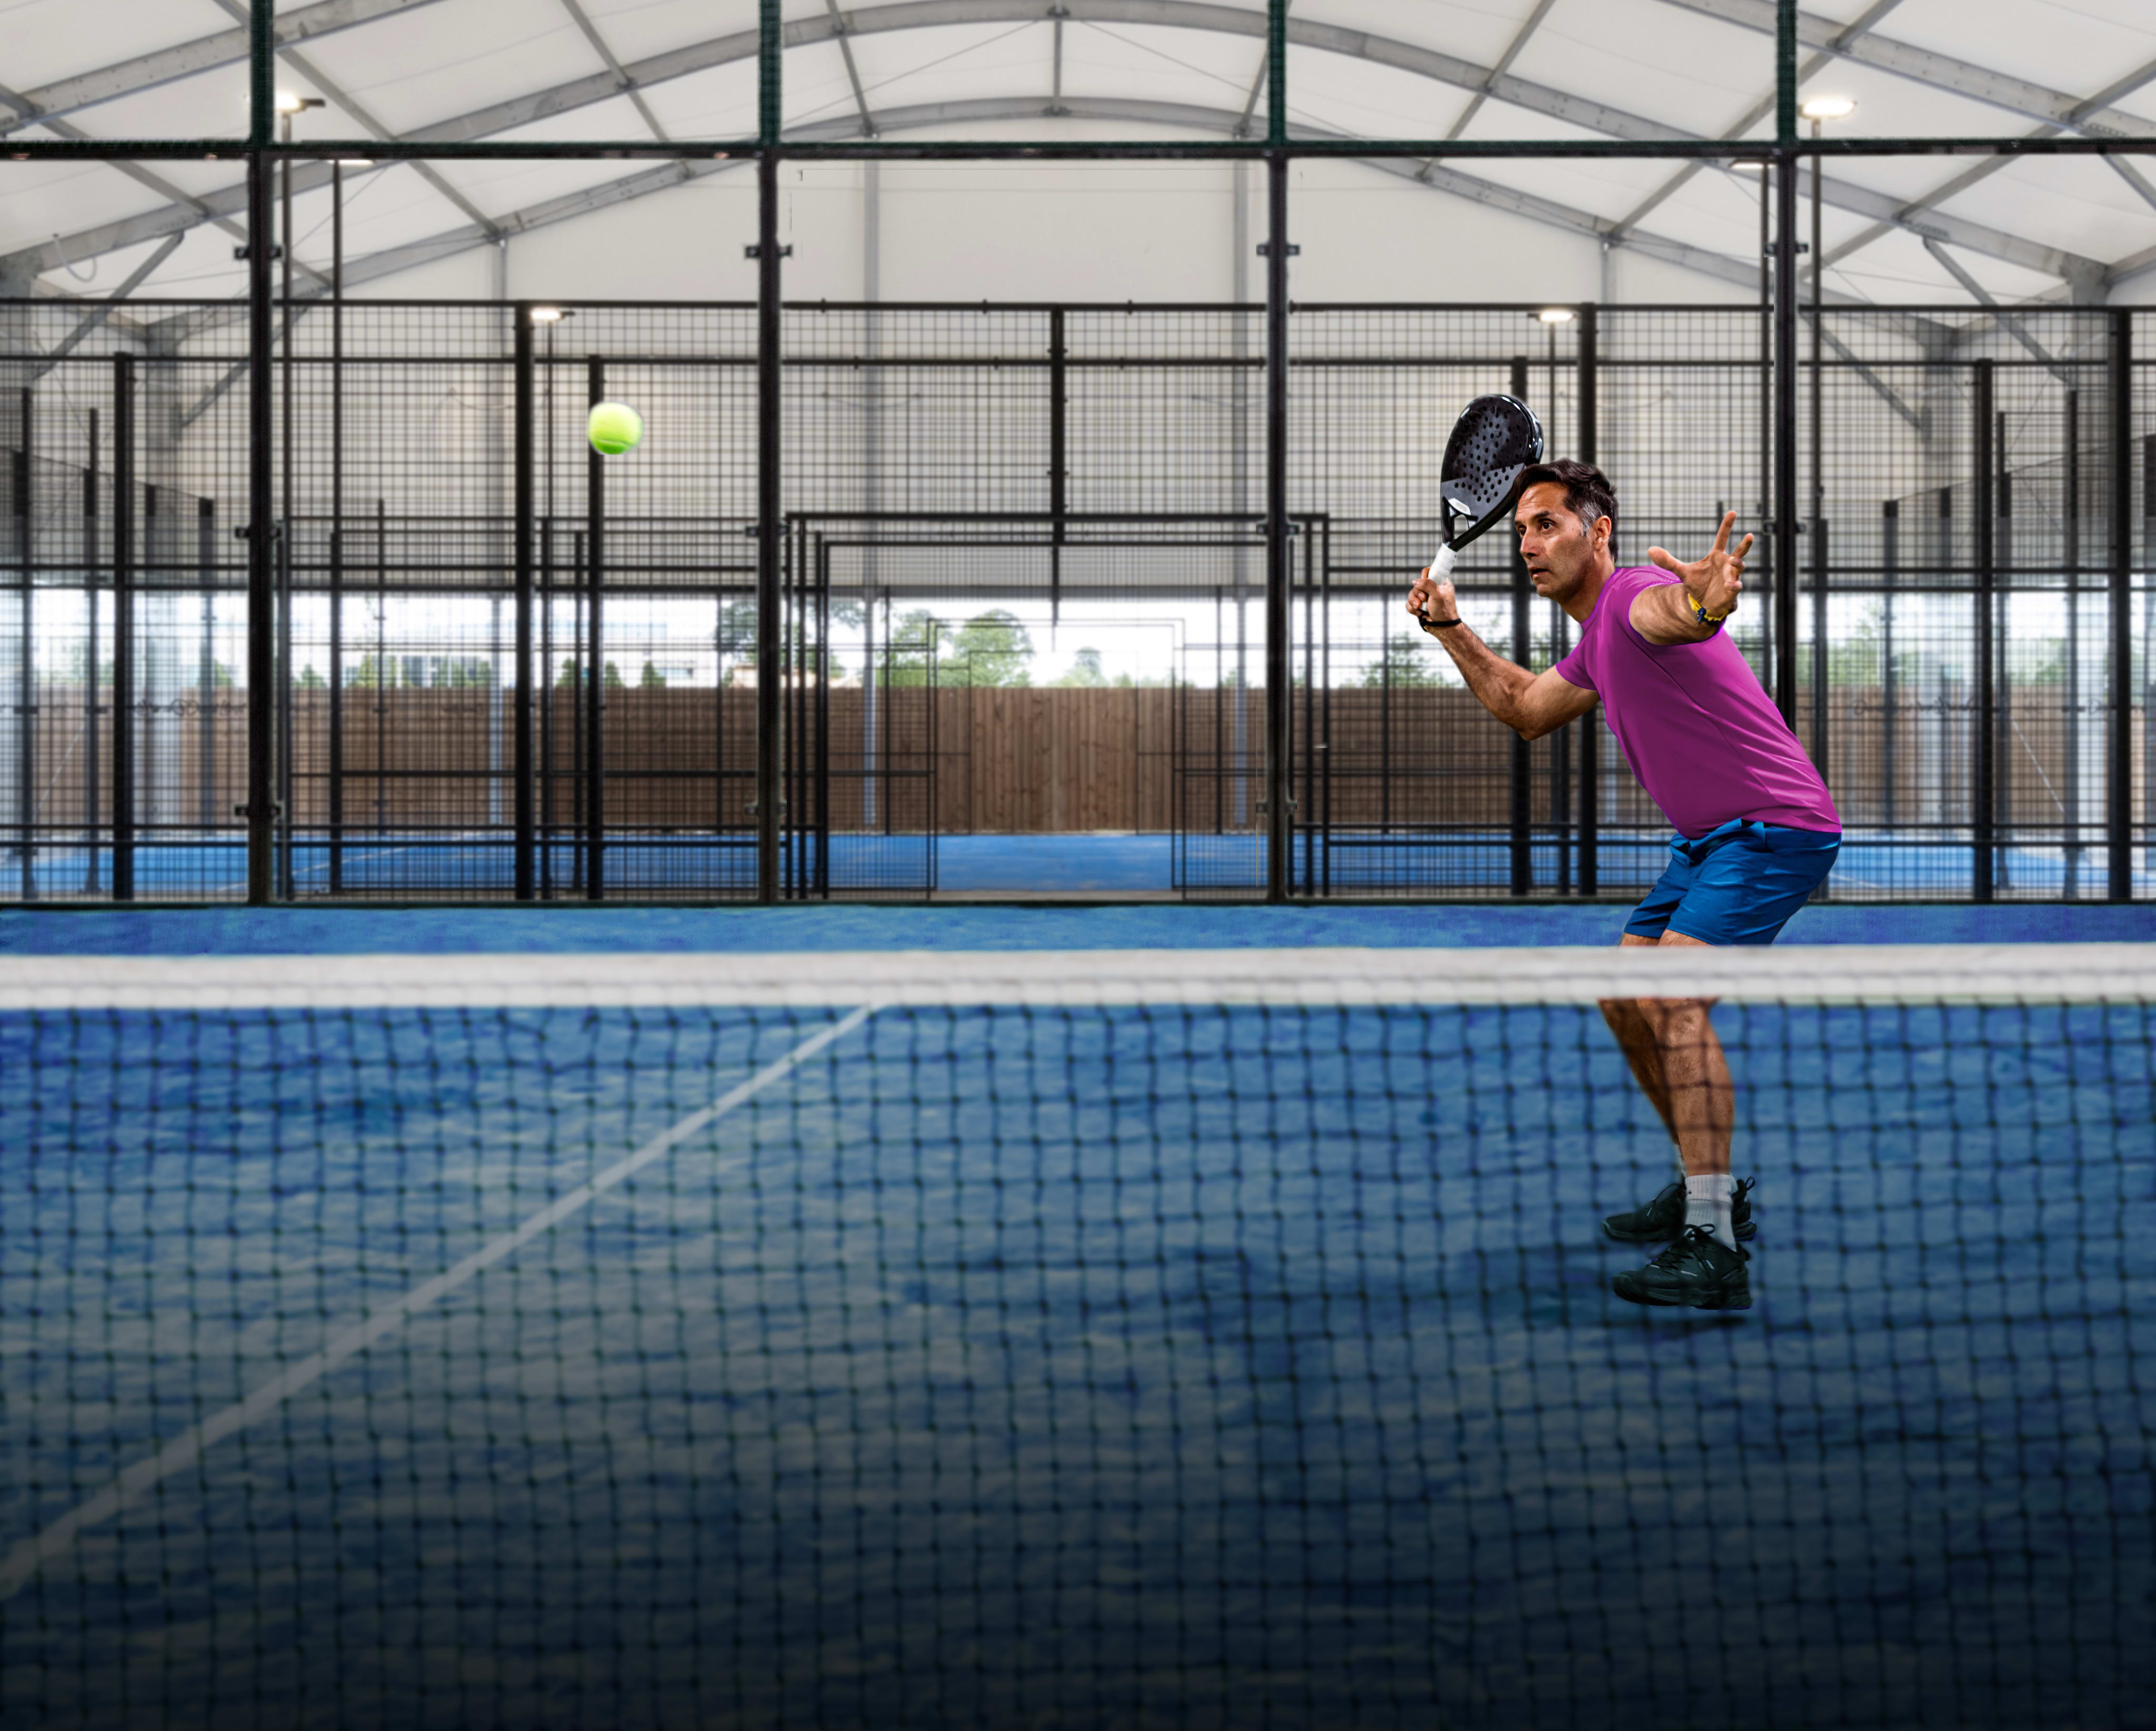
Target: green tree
[571, 675]
[737, 634]
[1086, 672]
[614, 681]
[371, 673]
[1404, 662]
[918, 641]
[651, 679]
[992, 649]
[464, 673]
[310, 681]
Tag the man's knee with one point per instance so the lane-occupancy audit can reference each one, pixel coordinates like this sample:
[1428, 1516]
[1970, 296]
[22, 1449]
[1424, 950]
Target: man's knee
[1676, 1021]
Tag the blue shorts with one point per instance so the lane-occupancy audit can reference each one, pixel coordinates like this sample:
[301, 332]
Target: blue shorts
[1738, 884]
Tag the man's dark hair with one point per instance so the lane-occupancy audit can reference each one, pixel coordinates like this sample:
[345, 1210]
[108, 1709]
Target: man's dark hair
[1588, 494]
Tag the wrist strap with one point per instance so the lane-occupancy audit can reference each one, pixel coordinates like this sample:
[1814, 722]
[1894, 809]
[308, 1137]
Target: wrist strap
[1434, 626]
[1703, 616]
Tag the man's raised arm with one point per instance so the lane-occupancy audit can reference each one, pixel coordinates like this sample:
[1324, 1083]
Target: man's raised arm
[1530, 704]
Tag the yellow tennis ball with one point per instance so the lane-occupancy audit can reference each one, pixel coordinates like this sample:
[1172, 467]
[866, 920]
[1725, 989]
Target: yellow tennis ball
[614, 427]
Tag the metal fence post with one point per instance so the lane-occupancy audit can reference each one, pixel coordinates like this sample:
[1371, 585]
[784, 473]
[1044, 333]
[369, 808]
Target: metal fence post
[526, 876]
[261, 807]
[1590, 724]
[1785, 436]
[1280, 706]
[770, 659]
[1520, 816]
[92, 841]
[2118, 792]
[26, 704]
[595, 653]
[1982, 808]
[1784, 540]
[123, 644]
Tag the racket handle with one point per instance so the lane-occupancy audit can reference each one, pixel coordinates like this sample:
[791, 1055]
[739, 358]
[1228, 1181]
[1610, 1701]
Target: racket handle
[1440, 567]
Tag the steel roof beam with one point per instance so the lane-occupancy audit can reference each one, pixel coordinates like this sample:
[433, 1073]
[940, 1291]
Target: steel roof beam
[2093, 115]
[205, 53]
[1190, 14]
[1503, 66]
[1752, 116]
[662, 178]
[105, 308]
[627, 85]
[359, 111]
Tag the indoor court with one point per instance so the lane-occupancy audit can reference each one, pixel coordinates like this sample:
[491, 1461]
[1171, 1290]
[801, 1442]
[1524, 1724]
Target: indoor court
[751, 977]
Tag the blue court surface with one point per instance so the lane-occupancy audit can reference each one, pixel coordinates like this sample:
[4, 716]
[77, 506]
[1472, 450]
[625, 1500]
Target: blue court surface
[689, 867]
[1214, 1367]
[572, 927]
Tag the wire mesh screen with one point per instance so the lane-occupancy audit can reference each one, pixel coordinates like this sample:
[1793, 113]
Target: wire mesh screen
[1955, 670]
[1066, 503]
[123, 729]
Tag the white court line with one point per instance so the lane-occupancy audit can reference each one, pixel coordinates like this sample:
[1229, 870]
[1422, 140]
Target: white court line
[26, 1559]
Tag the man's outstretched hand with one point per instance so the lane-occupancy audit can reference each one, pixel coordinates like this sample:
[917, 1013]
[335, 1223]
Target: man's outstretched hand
[1715, 582]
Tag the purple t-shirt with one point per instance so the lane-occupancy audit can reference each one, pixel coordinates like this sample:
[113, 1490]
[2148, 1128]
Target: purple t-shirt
[1693, 722]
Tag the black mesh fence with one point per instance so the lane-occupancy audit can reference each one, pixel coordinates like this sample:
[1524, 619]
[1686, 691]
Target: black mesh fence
[1025, 595]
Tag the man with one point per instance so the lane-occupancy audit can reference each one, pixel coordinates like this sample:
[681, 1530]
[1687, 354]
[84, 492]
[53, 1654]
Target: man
[1756, 832]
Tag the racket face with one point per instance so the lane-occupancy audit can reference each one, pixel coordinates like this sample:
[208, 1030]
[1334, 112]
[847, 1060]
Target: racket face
[1492, 441]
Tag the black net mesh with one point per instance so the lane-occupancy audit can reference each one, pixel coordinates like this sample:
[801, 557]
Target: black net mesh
[571, 1349]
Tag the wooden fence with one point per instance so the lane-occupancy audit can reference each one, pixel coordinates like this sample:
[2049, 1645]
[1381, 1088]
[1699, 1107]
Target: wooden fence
[1007, 761]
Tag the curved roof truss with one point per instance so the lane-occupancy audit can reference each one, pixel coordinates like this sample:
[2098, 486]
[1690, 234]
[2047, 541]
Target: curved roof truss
[1884, 212]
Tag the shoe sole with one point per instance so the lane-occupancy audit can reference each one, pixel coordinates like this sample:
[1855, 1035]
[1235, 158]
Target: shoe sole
[1745, 1233]
[1740, 1300]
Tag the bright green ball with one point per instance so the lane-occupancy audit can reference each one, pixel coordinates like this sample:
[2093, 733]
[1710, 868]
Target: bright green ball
[614, 427]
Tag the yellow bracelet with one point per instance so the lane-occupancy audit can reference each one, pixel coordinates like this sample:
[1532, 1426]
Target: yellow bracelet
[1703, 616]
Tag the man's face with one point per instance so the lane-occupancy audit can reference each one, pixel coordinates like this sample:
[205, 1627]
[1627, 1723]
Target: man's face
[1560, 553]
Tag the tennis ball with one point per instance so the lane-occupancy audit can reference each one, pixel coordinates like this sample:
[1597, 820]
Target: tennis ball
[614, 427]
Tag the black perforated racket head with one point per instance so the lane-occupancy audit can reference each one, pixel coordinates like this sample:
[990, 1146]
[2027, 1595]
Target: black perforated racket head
[1492, 441]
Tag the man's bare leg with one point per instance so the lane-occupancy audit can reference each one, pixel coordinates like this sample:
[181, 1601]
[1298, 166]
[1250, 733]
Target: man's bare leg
[1680, 1065]
[1678, 1062]
[1643, 1050]
[1702, 1099]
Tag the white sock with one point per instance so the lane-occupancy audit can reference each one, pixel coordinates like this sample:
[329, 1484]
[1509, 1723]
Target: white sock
[1708, 1196]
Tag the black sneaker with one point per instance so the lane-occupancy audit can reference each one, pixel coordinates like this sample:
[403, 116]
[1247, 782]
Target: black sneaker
[1698, 1271]
[1662, 1219]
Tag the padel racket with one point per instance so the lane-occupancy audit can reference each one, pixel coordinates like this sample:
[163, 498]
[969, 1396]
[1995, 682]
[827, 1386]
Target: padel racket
[1492, 441]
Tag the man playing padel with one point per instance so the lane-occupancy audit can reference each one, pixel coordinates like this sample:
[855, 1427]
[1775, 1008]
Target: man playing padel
[1756, 832]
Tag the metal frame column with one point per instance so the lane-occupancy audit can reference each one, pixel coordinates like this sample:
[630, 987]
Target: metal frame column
[1590, 724]
[1786, 155]
[1822, 651]
[26, 708]
[527, 876]
[1982, 790]
[770, 659]
[123, 644]
[1520, 808]
[261, 807]
[595, 650]
[93, 843]
[335, 694]
[2118, 790]
[1279, 574]
[1280, 693]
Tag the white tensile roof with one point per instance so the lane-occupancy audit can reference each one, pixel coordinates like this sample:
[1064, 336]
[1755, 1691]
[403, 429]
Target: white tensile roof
[1953, 229]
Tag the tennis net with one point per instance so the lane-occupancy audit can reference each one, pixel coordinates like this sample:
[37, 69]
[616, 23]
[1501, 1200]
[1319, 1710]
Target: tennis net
[1201, 1339]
